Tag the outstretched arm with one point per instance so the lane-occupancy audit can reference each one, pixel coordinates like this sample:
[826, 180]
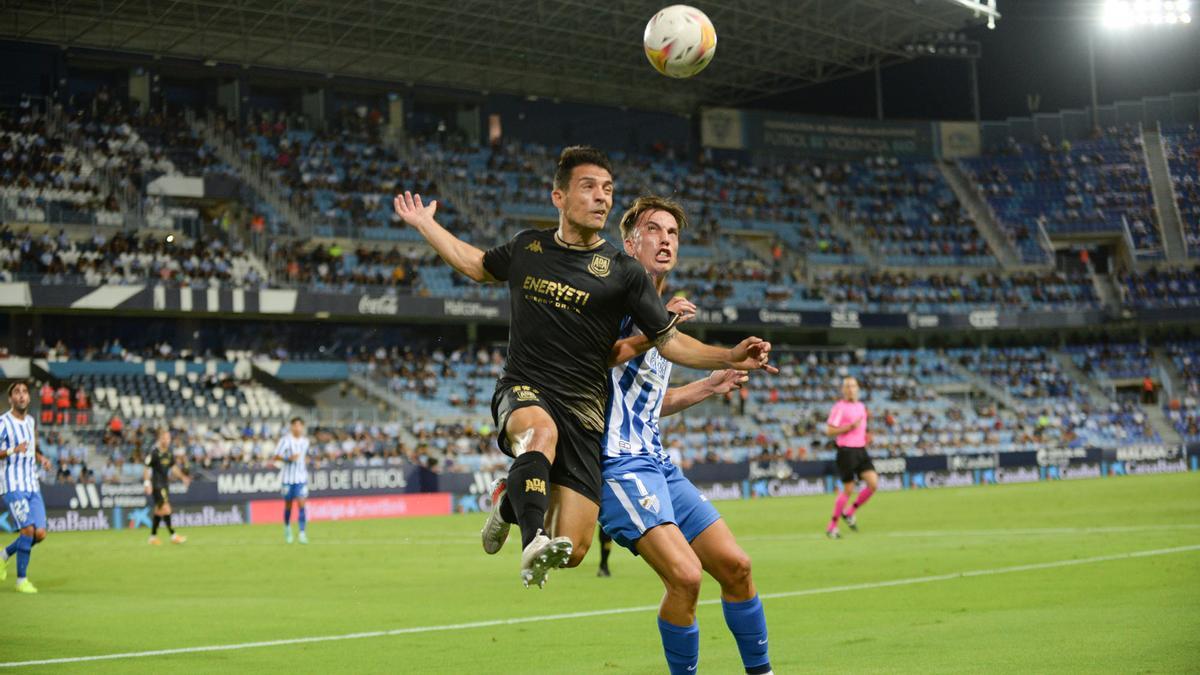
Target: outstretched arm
[636, 345]
[750, 354]
[719, 382]
[457, 253]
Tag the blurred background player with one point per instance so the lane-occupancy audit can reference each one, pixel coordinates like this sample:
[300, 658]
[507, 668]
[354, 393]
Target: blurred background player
[649, 506]
[605, 550]
[160, 466]
[847, 423]
[22, 489]
[292, 453]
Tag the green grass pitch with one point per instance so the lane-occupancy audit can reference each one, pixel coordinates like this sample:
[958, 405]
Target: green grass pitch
[109, 592]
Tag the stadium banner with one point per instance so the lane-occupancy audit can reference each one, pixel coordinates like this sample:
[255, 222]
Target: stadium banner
[83, 496]
[358, 508]
[777, 134]
[786, 487]
[1144, 459]
[119, 518]
[191, 515]
[958, 139]
[722, 129]
[361, 480]
[66, 520]
[386, 306]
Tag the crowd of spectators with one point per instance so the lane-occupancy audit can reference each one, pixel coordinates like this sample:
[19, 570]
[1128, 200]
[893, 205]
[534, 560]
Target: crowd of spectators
[1089, 185]
[907, 210]
[1156, 288]
[126, 258]
[900, 291]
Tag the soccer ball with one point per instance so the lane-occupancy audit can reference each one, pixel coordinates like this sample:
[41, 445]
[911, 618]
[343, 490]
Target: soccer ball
[679, 41]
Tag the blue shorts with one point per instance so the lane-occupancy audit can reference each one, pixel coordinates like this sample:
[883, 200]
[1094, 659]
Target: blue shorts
[27, 509]
[295, 491]
[639, 493]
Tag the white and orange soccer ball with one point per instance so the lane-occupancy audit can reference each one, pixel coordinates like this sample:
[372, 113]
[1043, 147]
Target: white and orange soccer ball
[679, 41]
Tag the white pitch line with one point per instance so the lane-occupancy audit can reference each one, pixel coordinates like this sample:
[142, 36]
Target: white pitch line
[604, 612]
[271, 542]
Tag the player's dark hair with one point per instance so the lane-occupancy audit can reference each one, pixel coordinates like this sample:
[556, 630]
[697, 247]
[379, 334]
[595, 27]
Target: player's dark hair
[578, 155]
[15, 383]
[296, 419]
[647, 203]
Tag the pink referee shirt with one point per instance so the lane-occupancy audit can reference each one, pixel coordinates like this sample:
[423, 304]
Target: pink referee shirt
[843, 413]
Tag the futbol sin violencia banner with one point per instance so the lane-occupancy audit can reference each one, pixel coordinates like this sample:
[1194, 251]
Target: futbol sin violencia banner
[782, 134]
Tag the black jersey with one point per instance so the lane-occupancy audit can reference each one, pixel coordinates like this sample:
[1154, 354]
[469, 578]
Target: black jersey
[567, 306]
[160, 464]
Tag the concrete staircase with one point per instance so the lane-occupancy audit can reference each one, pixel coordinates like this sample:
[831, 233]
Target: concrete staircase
[985, 219]
[373, 391]
[1158, 420]
[255, 174]
[1105, 288]
[1170, 222]
[999, 396]
[858, 242]
[1097, 394]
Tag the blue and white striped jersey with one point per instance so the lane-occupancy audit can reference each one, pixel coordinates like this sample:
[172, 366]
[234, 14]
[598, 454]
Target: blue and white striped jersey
[635, 401]
[20, 470]
[295, 449]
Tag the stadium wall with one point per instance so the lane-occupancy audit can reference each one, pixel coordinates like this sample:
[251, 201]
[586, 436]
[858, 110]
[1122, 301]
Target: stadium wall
[252, 497]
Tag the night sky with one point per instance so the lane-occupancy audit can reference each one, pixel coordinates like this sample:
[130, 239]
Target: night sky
[1038, 47]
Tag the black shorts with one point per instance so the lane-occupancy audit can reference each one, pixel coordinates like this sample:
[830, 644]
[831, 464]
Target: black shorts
[161, 497]
[852, 463]
[577, 456]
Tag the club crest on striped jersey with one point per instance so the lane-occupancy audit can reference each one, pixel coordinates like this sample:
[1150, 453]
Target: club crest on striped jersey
[600, 266]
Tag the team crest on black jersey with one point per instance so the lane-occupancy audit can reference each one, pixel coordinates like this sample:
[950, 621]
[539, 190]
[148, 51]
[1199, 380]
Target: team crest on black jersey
[600, 266]
[535, 246]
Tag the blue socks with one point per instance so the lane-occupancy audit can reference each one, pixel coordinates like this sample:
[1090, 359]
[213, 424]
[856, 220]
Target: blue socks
[303, 520]
[287, 517]
[11, 549]
[681, 645]
[749, 627]
[24, 546]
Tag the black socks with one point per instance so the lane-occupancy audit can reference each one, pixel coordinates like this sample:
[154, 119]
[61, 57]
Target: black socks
[529, 494]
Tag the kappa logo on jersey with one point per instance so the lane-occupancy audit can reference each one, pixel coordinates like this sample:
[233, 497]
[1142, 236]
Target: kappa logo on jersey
[535, 246]
[535, 485]
[525, 393]
[600, 266]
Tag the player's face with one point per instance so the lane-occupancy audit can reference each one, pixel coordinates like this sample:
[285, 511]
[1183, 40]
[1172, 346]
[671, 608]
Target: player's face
[297, 429]
[19, 398]
[164, 440]
[655, 242]
[588, 198]
[850, 390]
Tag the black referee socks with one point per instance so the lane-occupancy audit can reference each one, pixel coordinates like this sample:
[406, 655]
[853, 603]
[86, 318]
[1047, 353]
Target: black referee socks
[529, 492]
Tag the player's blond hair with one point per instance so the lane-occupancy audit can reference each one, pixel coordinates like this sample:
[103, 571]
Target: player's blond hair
[645, 204]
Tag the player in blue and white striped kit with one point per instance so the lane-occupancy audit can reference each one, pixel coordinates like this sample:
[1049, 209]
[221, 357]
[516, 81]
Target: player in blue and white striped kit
[648, 505]
[22, 490]
[292, 451]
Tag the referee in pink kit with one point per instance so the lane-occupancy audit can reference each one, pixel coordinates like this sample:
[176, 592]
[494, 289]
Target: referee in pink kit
[848, 424]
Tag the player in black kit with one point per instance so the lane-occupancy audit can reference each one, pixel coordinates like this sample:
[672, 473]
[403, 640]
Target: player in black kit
[570, 290]
[160, 466]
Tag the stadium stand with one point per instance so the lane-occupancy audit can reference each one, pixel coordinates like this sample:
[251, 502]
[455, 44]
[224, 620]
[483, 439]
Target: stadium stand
[127, 258]
[1182, 145]
[902, 291]
[908, 211]
[1096, 185]
[1161, 288]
